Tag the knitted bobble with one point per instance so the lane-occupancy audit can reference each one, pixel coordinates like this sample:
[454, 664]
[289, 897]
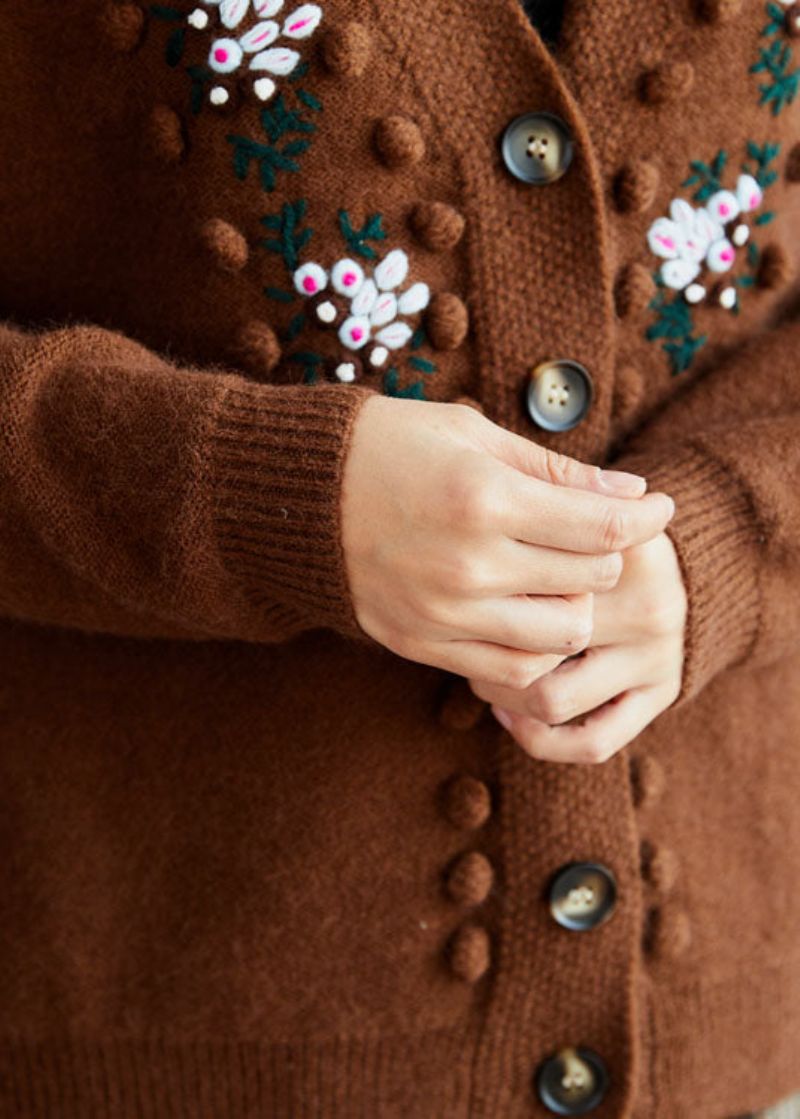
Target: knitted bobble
[470, 879]
[469, 953]
[648, 780]
[165, 134]
[668, 82]
[346, 50]
[398, 141]
[121, 24]
[793, 165]
[447, 321]
[775, 267]
[668, 933]
[436, 225]
[628, 394]
[636, 187]
[466, 802]
[257, 348]
[633, 290]
[718, 11]
[226, 245]
[461, 708]
[660, 866]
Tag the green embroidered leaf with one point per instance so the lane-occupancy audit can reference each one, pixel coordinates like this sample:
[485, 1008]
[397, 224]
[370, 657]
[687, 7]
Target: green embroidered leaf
[422, 364]
[357, 239]
[765, 219]
[175, 46]
[161, 11]
[752, 254]
[391, 387]
[279, 295]
[306, 357]
[295, 326]
[310, 100]
[291, 240]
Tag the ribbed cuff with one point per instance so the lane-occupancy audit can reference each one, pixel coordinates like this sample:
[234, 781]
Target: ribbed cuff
[278, 454]
[715, 534]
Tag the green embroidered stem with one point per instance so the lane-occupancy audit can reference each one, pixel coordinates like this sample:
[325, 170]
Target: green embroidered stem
[674, 323]
[776, 60]
[200, 77]
[371, 230]
[310, 362]
[391, 386]
[276, 122]
[708, 176]
[761, 157]
[290, 239]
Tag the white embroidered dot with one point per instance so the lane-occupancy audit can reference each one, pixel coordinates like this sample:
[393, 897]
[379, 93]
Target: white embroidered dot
[264, 8]
[392, 270]
[364, 299]
[741, 235]
[354, 332]
[695, 293]
[310, 279]
[346, 371]
[303, 22]
[723, 206]
[676, 274]
[385, 310]
[326, 312]
[276, 60]
[259, 37]
[727, 298]
[395, 335]
[218, 95]
[749, 193]
[224, 56]
[347, 276]
[198, 18]
[415, 299]
[264, 88]
[378, 356]
[721, 256]
[232, 12]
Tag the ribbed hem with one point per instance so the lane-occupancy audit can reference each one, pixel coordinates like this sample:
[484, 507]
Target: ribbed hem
[277, 464]
[424, 1075]
[715, 532]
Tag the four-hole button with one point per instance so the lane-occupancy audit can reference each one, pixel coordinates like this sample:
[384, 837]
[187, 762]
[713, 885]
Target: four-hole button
[582, 896]
[537, 148]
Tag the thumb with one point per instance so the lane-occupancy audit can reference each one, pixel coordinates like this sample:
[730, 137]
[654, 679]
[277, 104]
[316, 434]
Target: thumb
[561, 470]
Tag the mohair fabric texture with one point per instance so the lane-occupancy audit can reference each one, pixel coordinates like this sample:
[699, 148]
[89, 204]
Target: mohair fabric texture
[234, 827]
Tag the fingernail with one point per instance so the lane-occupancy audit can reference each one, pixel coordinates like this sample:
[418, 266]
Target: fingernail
[621, 482]
[502, 716]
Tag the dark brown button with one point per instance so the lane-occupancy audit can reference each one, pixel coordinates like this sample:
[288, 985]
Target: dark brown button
[558, 394]
[537, 148]
[582, 896]
[572, 1082]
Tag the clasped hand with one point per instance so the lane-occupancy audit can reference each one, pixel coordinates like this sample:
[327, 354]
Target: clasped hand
[549, 584]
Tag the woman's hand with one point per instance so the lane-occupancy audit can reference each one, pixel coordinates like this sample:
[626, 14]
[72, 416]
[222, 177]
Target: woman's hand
[629, 673]
[475, 550]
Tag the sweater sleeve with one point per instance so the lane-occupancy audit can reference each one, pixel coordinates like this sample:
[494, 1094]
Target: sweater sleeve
[727, 449]
[141, 498]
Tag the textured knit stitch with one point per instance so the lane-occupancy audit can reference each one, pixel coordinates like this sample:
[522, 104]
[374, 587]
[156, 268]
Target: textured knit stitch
[254, 863]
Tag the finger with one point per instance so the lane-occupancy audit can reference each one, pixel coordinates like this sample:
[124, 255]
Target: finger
[537, 512]
[481, 661]
[597, 738]
[583, 683]
[559, 469]
[507, 697]
[530, 623]
[518, 568]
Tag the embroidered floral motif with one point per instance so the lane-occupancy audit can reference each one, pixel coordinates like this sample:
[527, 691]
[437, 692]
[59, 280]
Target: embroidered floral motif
[365, 307]
[700, 247]
[777, 58]
[256, 51]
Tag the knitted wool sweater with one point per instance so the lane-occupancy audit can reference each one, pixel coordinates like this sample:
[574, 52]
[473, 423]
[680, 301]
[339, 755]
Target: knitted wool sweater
[255, 864]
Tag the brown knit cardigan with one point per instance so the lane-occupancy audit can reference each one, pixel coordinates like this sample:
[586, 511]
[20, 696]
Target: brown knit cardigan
[253, 863]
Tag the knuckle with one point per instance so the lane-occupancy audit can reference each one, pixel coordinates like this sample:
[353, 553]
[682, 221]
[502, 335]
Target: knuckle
[557, 467]
[579, 627]
[517, 675]
[554, 703]
[613, 529]
[596, 751]
[608, 569]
